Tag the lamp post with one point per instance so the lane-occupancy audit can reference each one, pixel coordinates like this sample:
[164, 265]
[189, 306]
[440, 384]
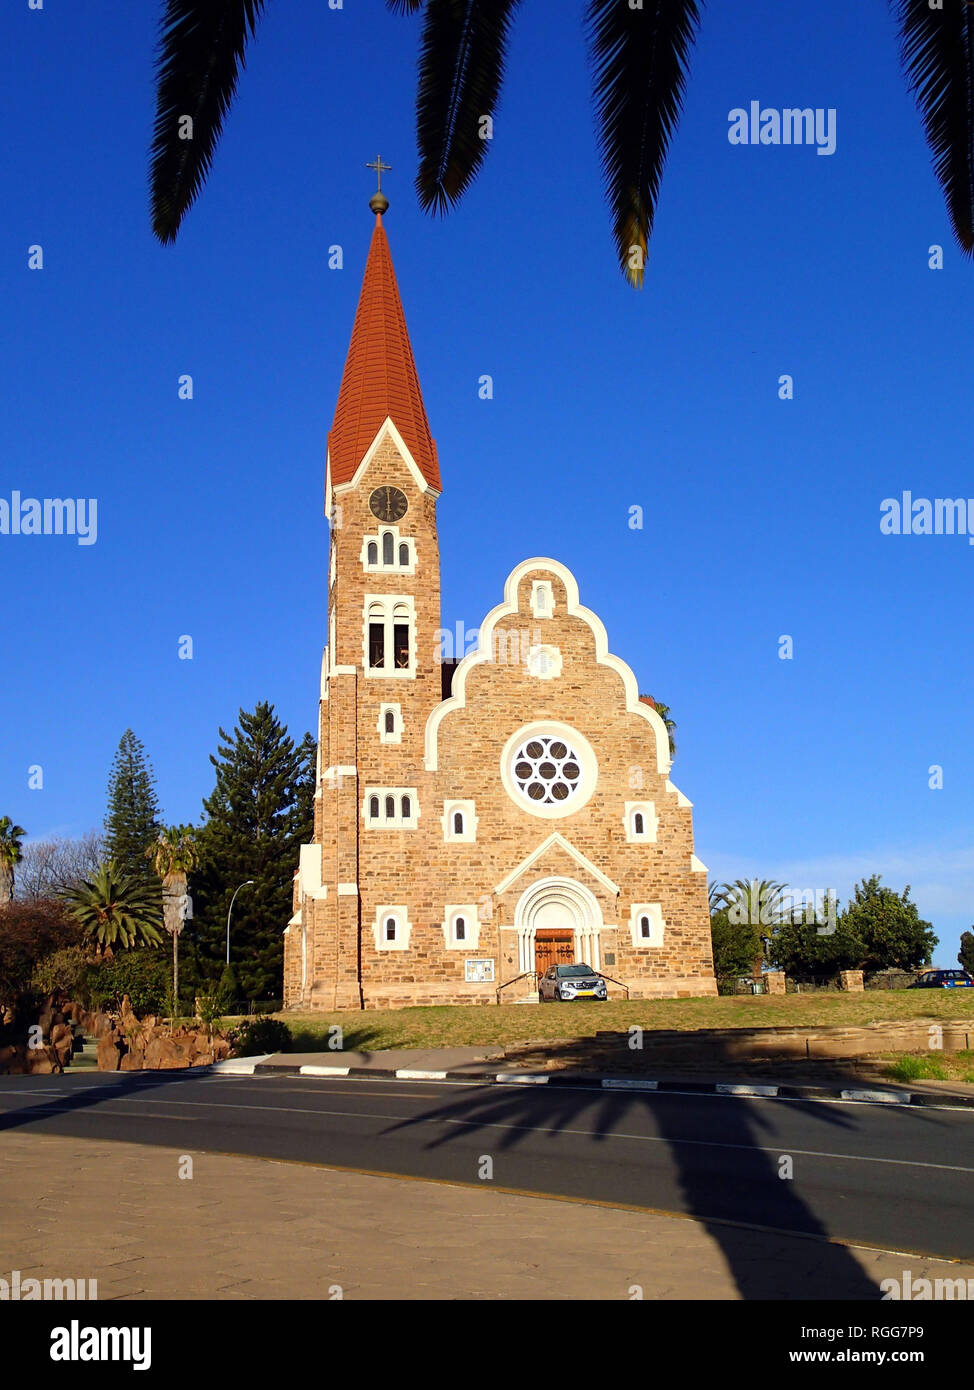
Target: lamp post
[246, 884]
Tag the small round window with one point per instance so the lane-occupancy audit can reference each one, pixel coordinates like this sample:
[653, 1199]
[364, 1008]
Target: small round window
[547, 771]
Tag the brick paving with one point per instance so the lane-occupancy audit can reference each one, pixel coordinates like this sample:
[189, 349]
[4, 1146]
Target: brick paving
[247, 1228]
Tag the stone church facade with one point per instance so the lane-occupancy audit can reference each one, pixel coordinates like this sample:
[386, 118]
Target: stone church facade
[475, 820]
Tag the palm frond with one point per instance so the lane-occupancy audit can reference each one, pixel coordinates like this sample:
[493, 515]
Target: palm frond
[937, 53]
[640, 59]
[200, 53]
[405, 6]
[461, 67]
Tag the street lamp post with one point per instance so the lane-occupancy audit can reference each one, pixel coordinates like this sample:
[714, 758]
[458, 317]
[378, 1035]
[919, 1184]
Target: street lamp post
[246, 884]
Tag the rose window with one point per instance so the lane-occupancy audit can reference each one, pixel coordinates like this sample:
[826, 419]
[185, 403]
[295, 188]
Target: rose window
[546, 770]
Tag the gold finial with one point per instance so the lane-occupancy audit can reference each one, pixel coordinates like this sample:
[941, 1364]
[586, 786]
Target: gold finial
[378, 202]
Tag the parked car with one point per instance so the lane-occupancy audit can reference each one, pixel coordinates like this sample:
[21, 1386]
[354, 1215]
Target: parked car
[943, 979]
[566, 982]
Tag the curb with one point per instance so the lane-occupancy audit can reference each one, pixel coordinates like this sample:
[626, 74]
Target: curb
[863, 1094]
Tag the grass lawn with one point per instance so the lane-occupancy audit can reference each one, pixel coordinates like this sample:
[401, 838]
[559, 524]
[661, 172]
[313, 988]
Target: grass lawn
[936, 1066]
[460, 1026]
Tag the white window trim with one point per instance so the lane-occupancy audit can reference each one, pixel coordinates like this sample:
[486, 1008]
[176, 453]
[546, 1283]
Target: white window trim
[403, 927]
[396, 735]
[388, 604]
[397, 540]
[468, 911]
[544, 662]
[549, 728]
[542, 599]
[470, 821]
[657, 925]
[396, 822]
[650, 822]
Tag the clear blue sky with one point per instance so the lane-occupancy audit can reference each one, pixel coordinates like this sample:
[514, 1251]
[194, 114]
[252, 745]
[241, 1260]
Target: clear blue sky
[762, 516]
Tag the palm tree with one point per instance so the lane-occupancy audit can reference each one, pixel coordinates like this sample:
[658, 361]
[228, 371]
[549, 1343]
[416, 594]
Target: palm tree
[11, 853]
[716, 895]
[664, 713]
[174, 854]
[115, 909]
[640, 55]
[757, 902]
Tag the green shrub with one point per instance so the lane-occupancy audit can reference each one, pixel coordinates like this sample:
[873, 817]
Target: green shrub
[916, 1069]
[141, 973]
[65, 969]
[255, 1036]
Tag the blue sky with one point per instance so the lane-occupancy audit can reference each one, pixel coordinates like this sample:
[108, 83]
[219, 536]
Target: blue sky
[761, 515]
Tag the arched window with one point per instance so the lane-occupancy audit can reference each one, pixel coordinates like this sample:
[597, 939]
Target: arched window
[460, 928]
[373, 553]
[387, 544]
[645, 930]
[400, 637]
[404, 555]
[377, 637]
[373, 808]
[406, 808]
[390, 928]
[458, 822]
[390, 722]
[390, 808]
[637, 823]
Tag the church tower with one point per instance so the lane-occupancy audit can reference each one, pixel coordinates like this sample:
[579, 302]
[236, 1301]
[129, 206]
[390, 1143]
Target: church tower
[381, 675]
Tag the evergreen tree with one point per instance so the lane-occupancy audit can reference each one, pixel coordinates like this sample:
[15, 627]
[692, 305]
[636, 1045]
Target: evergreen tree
[133, 821]
[257, 816]
[887, 923]
[965, 955]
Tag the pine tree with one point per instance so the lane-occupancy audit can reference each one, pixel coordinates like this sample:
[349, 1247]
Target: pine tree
[257, 816]
[133, 818]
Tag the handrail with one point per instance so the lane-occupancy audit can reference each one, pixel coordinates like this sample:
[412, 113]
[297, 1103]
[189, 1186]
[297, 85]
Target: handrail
[615, 982]
[523, 976]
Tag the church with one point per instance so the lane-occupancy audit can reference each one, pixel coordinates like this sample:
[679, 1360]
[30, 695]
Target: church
[476, 820]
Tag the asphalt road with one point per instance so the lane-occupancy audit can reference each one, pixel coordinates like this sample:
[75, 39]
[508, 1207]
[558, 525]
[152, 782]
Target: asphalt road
[895, 1177]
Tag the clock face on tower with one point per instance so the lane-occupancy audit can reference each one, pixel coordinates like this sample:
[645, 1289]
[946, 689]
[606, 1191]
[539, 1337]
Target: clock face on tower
[388, 504]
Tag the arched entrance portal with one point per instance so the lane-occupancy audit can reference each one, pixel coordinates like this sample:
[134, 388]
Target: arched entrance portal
[557, 920]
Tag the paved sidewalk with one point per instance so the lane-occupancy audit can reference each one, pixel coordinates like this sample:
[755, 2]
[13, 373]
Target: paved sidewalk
[246, 1228]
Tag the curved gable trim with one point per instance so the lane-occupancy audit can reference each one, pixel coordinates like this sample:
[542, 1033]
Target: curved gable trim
[602, 655]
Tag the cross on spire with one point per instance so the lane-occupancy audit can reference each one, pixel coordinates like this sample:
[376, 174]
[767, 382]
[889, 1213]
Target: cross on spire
[380, 169]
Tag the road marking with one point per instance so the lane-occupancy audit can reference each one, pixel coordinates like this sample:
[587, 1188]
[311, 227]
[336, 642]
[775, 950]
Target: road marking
[323, 1071]
[623, 1084]
[733, 1088]
[527, 1078]
[404, 1121]
[879, 1097]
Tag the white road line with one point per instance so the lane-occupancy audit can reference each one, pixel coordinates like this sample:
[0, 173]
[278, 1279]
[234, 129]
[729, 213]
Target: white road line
[582, 1133]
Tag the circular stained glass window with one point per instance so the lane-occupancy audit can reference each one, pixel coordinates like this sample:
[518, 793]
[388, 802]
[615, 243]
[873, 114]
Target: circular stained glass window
[547, 771]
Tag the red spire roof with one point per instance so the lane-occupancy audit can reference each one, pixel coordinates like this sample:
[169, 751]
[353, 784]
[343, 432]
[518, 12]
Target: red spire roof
[380, 376]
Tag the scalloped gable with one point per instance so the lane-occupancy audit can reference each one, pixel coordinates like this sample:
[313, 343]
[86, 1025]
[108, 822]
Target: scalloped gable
[603, 656]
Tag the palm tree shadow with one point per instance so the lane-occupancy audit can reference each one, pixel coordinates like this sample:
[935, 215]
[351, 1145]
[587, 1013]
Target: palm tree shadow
[723, 1167]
